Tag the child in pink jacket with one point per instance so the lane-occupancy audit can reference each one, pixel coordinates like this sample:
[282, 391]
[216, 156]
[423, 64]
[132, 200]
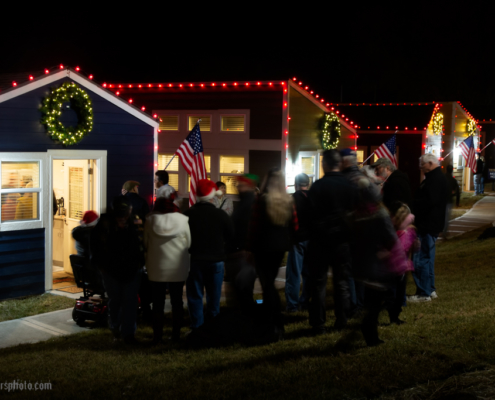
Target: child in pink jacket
[407, 244]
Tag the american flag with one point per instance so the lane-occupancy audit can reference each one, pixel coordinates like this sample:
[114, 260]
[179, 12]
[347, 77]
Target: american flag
[467, 150]
[388, 150]
[191, 156]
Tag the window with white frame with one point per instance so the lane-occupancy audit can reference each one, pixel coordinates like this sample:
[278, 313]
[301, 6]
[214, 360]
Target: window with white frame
[231, 167]
[232, 123]
[171, 167]
[169, 122]
[20, 191]
[205, 124]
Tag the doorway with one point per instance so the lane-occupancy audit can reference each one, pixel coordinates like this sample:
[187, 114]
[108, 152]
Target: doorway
[74, 192]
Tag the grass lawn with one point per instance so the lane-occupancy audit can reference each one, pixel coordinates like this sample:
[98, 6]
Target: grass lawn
[447, 337]
[33, 305]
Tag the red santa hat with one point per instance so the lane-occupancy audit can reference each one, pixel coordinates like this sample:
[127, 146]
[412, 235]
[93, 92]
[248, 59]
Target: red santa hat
[206, 190]
[89, 218]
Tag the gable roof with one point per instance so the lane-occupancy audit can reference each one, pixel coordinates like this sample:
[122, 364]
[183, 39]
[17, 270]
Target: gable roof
[19, 89]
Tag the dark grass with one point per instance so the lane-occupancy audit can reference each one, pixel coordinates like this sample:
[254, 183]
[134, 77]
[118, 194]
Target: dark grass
[447, 337]
[33, 305]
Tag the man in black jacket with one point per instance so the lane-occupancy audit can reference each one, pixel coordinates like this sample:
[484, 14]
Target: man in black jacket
[396, 185]
[429, 207]
[211, 229]
[116, 251]
[332, 199]
[295, 260]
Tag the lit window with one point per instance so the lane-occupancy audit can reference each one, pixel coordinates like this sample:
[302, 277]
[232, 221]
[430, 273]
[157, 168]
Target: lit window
[20, 191]
[360, 156]
[232, 123]
[231, 167]
[172, 169]
[17, 175]
[308, 167]
[204, 125]
[169, 122]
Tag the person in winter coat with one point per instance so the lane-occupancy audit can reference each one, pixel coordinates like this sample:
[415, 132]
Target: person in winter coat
[239, 266]
[222, 201]
[116, 251]
[274, 221]
[140, 207]
[296, 265]
[333, 199]
[478, 175]
[429, 207]
[211, 230]
[396, 186]
[167, 239]
[369, 191]
[81, 233]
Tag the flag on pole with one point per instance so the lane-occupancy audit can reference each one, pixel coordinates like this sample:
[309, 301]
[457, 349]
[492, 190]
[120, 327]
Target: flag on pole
[467, 151]
[388, 150]
[191, 156]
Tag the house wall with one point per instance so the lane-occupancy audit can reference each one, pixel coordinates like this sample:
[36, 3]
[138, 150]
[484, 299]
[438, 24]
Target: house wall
[128, 140]
[22, 263]
[129, 143]
[261, 144]
[304, 127]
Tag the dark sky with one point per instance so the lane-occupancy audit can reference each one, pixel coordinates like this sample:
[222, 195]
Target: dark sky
[369, 53]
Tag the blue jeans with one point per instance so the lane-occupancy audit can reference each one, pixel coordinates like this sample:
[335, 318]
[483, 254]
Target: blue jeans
[424, 265]
[295, 267]
[204, 275]
[122, 303]
[477, 184]
[356, 289]
[482, 185]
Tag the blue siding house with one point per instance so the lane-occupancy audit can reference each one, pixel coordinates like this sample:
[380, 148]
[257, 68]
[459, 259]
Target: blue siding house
[37, 171]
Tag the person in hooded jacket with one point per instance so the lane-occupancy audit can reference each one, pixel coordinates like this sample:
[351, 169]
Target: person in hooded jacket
[167, 238]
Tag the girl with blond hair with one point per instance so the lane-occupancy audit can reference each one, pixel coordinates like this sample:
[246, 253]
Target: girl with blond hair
[273, 222]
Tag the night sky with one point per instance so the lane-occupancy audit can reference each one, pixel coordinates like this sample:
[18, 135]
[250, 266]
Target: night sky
[359, 54]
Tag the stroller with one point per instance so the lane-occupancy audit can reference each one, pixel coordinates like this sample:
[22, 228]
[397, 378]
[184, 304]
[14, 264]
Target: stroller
[92, 306]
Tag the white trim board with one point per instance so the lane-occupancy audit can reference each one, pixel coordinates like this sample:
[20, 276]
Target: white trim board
[83, 81]
[100, 156]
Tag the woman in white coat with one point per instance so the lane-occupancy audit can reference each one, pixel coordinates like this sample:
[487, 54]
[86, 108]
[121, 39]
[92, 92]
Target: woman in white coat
[167, 240]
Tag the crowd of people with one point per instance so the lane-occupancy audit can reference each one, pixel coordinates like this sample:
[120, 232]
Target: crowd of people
[362, 222]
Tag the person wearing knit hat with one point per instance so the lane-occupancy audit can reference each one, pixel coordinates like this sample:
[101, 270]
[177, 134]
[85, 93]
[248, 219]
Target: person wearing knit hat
[81, 233]
[211, 229]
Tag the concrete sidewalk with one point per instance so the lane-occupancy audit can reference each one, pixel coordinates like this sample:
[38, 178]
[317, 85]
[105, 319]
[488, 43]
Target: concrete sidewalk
[38, 328]
[481, 214]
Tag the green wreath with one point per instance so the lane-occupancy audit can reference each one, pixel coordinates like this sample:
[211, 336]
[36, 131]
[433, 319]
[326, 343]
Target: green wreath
[471, 126]
[330, 131]
[52, 110]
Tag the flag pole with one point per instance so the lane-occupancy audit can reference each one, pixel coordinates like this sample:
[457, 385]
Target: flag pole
[197, 123]
[491, 141]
